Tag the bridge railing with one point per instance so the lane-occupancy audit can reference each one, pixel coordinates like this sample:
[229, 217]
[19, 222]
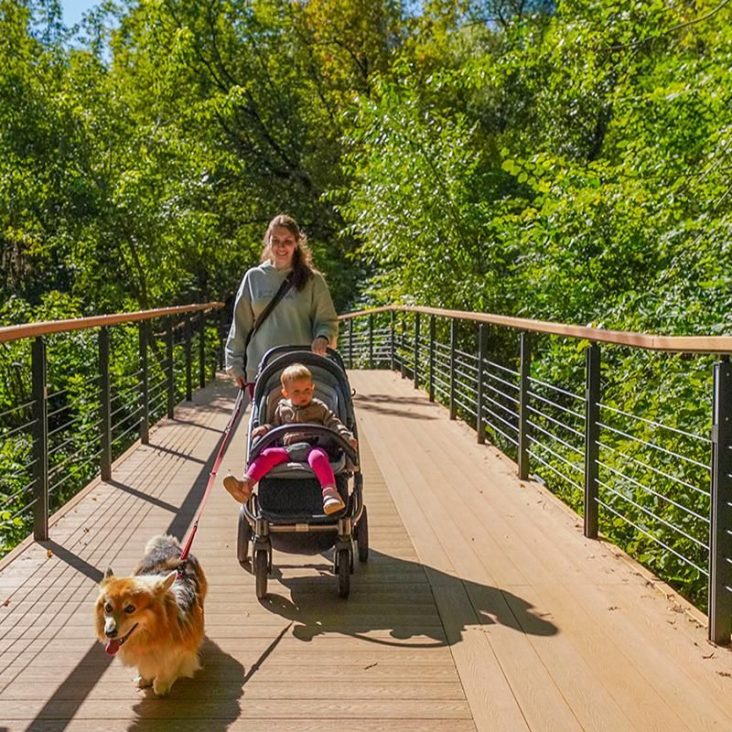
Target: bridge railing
[79, 392]
[633, 431]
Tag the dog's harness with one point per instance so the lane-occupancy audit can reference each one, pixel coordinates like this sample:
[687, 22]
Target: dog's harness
[185, 551]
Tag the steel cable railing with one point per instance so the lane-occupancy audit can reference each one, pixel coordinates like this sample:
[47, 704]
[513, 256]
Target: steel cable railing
[653, 475]
[555, 433]
[86, 390]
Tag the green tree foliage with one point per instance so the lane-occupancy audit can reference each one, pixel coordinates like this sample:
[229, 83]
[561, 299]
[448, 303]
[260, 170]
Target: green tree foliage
[159, 141]
[579, 156]
[419, 216]
[593, 141]
[565, 160]
[533, 147]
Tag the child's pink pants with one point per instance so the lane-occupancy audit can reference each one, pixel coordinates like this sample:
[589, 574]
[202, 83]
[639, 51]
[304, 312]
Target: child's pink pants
[271, 456]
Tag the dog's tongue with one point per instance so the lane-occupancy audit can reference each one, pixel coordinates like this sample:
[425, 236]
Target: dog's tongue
[112, 646]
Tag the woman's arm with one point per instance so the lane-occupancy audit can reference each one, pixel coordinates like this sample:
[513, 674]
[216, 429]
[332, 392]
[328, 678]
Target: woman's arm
[324, 317]
[241, 323]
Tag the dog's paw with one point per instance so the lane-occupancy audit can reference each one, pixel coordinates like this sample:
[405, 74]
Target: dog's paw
[143, 683]
[161, 687]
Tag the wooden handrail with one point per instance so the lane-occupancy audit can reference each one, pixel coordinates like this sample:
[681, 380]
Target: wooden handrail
[31, 330]
[675, 344]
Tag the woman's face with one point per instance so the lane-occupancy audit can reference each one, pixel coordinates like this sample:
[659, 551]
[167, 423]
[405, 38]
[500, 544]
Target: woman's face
[282, 243]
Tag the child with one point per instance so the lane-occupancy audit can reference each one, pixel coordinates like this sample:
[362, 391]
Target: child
[297, 407]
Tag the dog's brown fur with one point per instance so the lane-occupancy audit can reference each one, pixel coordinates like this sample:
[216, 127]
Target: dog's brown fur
[154, 618]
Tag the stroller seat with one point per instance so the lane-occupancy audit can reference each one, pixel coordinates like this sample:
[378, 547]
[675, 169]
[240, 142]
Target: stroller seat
[328, 394]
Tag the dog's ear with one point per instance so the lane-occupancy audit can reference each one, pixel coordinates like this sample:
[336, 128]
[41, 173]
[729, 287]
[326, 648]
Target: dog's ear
[167, 583]
[107, 575]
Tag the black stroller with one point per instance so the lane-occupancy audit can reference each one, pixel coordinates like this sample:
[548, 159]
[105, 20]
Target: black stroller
[287, 510]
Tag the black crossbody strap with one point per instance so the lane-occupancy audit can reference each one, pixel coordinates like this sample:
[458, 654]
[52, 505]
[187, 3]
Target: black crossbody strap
[284, 287]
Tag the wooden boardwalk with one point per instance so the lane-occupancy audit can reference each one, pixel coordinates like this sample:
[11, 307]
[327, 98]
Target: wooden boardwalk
[482, 606]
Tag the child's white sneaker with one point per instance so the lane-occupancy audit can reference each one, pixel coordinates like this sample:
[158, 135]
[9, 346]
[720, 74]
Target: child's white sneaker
[332, 502]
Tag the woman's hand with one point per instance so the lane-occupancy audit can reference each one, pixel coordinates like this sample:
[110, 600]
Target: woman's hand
[241, 382]
[261, 430]
[353, 442]
[320, 345]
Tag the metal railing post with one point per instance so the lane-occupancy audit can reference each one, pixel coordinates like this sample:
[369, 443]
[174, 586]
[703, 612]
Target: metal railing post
[523, 433]
[350, 343]
[371, 340]
[170, 368]
[202, 351]
[479, 419]
[453, 378]
[416, 350]
[402, 364]
[188, 357]
[222, 338]
[592, 440]
[392, 362]
[105, 406]
[40, 441]
[144, 334]
[432, 359]
[720, 549]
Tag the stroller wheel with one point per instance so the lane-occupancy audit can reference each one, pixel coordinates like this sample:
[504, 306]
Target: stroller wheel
[243, 539]
[261, 568]
[362, 536]
[343, 568]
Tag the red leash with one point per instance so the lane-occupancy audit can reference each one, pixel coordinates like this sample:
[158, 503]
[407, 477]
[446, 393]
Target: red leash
[212, 475]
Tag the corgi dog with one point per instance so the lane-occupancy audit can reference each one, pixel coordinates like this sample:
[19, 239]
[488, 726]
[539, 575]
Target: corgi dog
[154, 619]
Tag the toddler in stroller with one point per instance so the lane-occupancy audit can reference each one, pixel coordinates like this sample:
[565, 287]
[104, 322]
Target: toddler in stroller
[303, 451]
[298, 406]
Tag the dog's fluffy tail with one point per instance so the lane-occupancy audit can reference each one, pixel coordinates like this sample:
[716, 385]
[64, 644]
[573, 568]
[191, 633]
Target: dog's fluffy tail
[162, 554]
[162, 544]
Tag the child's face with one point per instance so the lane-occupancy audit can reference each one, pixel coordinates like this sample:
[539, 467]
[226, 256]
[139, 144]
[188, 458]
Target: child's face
[299, 391]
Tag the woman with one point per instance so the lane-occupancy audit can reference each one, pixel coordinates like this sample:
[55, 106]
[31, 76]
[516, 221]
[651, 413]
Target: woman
[304, 316]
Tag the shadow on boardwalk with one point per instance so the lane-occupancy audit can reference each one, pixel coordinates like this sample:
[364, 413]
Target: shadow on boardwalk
[221, 674]
[403, 598]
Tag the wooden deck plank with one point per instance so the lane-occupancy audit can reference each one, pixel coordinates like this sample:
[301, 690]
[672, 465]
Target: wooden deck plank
[583, 691]
[482, 606]
[490, 691]
[273, 688]
[384, 649]
[353, 671]
[234, 722]
[631, 665]
[517, 537]
[344, 706]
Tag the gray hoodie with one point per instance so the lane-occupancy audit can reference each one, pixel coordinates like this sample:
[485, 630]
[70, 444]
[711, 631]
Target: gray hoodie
[299, 318]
